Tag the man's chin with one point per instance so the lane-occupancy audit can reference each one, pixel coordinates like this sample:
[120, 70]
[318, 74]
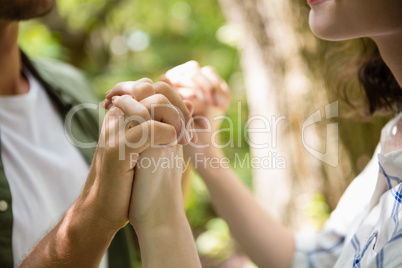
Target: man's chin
[24, 9]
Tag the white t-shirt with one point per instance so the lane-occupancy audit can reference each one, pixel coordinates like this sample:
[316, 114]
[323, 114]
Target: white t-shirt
[46, 173]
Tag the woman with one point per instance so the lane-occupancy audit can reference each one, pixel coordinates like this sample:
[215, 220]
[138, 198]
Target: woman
[368, 236]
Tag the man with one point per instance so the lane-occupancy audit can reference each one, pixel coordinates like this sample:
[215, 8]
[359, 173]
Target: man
[55, 209]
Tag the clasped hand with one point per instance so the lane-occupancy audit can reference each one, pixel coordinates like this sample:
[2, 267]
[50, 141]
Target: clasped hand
[143, 116]
[145, 120]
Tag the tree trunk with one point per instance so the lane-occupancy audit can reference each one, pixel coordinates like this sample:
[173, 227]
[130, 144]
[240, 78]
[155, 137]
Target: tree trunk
[284, 90]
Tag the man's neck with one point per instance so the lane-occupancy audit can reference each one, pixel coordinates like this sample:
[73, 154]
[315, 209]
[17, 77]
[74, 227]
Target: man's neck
[12, 82]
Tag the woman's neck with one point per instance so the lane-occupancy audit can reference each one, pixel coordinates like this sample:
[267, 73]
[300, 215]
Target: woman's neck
[390, 47]
[12, 82]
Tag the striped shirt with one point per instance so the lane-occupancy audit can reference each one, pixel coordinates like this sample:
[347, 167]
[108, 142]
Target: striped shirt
[365, 229]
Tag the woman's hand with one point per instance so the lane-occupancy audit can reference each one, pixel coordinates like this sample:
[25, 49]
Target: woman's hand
[209, 96]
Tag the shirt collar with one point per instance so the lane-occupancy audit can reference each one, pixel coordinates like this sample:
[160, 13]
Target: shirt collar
[391, 167]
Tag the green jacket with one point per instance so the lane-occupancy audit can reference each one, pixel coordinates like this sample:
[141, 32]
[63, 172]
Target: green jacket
[67, 87]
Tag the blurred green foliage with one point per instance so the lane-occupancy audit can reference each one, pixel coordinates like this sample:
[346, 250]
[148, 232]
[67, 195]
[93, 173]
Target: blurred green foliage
[215, 242]
[317, 210]
[132, 39]
[123, 40]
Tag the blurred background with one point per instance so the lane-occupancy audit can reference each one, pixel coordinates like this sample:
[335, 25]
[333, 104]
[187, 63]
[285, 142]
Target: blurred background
[274, 66]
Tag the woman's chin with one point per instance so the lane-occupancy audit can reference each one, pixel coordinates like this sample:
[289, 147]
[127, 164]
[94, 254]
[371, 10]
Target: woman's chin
[327, 35]
[329, 31]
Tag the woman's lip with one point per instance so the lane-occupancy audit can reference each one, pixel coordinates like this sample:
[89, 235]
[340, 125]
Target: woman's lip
[315, 1]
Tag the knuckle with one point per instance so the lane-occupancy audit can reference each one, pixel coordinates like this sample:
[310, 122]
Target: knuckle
[150, 125]
[140, 115]
[143, 113]
[122, 100]
[180, 124]
[185, 113]
[125, 86]
[146, 87]
[194, 63]
[142, 110]
[146, 80]
[163, 88]
[210, 88]
[209, 68]
[161, 99]
[170, 132]
[176, 112]
[118, 85]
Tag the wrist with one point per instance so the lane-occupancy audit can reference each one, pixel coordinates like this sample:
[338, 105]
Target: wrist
[78, 240]
[84, 217]
[160, 217]
[207, 160]
[173, 244]
[150, 231]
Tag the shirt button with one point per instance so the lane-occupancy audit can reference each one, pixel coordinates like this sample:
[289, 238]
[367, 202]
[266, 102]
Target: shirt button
[3, 205]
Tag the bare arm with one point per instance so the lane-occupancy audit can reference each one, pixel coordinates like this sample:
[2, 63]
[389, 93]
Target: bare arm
[85, 232]
[157, 213]
[79, 240]
[267, 242]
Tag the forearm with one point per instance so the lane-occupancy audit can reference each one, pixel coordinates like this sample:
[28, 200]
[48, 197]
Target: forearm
[157, 213]
[267, 242]
[169, 246]
[79, 240]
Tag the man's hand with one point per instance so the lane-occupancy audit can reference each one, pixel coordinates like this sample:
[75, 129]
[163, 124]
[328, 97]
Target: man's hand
[130, 127]
[126, 133]
[156, 209]
[145, 88]
[156, 192]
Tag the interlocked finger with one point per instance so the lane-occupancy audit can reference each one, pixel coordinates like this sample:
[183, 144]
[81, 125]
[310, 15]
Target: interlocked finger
[219, 90]
[138, 90]
[160, 109]
[135, 112]
[150, 134]
[174, 99]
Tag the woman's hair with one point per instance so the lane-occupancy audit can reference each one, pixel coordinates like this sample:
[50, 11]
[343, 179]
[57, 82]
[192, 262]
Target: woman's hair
[379, 84]
[360, 70]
